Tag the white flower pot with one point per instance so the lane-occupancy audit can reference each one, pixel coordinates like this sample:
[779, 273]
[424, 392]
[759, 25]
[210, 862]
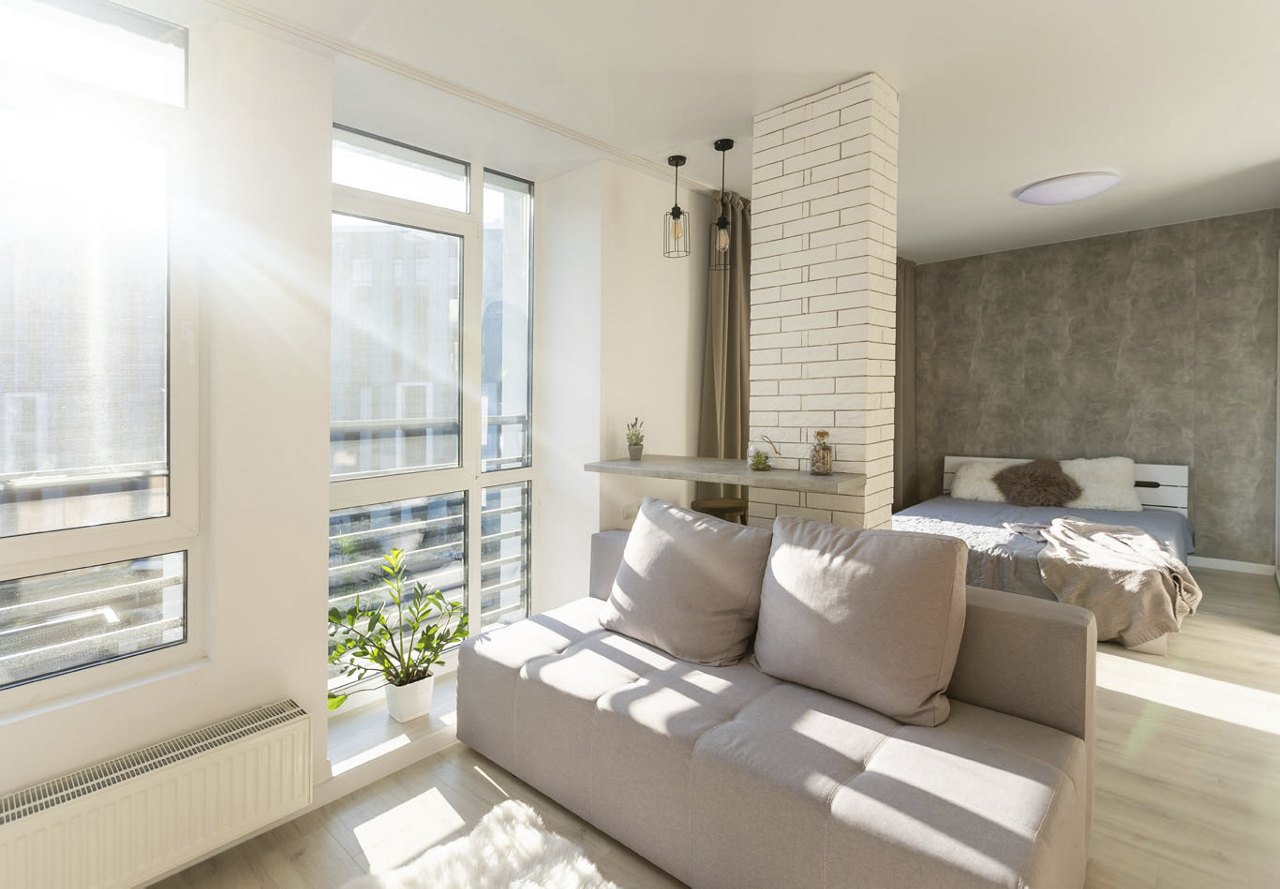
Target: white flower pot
[406, 702]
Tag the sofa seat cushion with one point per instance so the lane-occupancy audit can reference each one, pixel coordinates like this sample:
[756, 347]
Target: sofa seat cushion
[807, 789]
[964, 805]
[642, 746]
[762, 785]
[556, 706]
[490, 663]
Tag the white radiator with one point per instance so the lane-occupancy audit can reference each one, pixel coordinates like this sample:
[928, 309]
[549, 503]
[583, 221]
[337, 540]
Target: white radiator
[130, 819]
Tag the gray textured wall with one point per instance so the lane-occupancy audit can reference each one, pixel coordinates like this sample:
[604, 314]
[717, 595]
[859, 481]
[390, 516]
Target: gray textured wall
[1158, 345]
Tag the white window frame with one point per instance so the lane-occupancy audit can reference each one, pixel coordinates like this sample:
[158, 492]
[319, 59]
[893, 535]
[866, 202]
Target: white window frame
[468, 477]
[96, 112]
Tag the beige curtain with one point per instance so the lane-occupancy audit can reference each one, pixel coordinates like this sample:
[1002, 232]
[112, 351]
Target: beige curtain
[904, 385]
[726, 383]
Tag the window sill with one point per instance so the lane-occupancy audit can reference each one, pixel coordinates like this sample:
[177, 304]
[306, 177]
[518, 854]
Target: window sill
[366, 744]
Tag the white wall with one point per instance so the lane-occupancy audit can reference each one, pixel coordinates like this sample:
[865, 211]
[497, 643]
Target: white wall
[261, 109]
[617, 334]
[566, 381]
[651, 339]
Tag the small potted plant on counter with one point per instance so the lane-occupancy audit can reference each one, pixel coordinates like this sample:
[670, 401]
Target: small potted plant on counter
[635, 438]
[402, 637]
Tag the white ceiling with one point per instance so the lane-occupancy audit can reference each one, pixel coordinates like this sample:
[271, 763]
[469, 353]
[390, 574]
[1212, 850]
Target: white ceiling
[1179, 96]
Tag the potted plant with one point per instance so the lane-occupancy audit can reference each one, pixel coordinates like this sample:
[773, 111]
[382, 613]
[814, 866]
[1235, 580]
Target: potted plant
[635, 438]
[403, 638]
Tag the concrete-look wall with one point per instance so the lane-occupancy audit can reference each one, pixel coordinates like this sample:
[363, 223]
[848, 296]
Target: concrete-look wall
[823, 278]
[1159, 345]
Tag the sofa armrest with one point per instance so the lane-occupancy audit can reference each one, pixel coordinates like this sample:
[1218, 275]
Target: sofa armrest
[1029, 658]
[606, 557]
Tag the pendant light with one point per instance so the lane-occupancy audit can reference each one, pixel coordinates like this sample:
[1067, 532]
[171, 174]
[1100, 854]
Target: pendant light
[720, 231]
[675, 227]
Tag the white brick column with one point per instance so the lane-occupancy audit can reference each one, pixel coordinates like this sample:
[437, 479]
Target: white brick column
[823, 280]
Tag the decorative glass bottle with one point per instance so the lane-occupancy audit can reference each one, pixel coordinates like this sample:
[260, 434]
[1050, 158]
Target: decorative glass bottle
[820, 456]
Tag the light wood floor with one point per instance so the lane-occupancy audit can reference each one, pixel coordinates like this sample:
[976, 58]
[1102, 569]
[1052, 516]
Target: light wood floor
[1188, 778]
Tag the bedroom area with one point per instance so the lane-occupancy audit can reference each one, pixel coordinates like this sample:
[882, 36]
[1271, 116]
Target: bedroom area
[1096, 419]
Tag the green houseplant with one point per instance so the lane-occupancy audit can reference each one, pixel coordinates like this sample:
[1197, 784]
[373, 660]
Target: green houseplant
[635, 438]
[402, 638]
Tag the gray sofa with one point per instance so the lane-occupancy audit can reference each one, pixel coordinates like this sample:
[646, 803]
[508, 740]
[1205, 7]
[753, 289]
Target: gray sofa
[727, 777]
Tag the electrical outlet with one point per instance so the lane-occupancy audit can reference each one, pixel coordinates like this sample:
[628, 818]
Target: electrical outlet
[629, 513]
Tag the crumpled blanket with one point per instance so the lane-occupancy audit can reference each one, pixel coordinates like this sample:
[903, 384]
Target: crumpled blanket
[1136, 588]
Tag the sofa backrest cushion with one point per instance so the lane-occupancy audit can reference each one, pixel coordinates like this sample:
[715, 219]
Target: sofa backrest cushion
[874, 617]
[689, 584]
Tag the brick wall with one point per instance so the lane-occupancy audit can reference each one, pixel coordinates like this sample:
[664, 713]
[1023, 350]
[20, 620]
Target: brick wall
[823, 276]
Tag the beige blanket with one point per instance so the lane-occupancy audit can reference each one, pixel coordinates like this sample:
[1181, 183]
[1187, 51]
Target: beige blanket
[1137, 590]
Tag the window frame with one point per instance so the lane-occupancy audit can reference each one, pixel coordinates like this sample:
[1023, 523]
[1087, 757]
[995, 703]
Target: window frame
[359, 198]
[95, 112]
[533, 207]
[467, 478]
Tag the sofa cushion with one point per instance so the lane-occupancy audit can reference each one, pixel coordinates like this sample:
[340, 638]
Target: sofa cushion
[968, 804]
[489, 666]
[871, 616]
[762, 785]
[689, 584]
[806, 789]
[555, 709]
[642, 742]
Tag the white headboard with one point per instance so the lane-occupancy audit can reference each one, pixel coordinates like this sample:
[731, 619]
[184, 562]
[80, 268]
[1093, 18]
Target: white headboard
[1159, 486]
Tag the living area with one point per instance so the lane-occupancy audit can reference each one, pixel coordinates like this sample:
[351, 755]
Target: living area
[839, 453]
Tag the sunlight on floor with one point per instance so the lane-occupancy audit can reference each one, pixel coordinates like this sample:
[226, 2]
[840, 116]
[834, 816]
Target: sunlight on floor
[398, 834]
[1226, 701]
[485, 775]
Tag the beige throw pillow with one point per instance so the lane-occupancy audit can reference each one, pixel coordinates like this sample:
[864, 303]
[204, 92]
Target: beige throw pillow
[689, 584]
[874, 617]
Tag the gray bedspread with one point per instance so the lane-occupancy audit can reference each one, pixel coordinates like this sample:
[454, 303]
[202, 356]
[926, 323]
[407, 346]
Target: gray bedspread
[1001, 559]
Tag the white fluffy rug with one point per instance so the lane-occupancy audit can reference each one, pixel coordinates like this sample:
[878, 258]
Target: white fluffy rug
[510, 847]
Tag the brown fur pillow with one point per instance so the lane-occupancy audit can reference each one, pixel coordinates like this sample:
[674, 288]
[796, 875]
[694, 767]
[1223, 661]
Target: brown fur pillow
[1038, 483]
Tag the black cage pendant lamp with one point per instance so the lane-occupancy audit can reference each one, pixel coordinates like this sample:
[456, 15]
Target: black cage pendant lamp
[675, 225]
[720, 229]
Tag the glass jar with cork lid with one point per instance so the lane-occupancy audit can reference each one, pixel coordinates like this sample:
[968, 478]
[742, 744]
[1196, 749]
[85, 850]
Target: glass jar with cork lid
[820, 456]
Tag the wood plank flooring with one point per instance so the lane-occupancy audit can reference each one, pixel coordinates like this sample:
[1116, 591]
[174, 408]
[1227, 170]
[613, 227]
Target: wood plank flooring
[1188, 778]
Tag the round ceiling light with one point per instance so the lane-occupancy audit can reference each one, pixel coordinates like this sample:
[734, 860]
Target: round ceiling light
[1066, 189]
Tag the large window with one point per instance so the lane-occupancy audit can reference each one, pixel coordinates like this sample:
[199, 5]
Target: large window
[54, 623]
[504, 553]
[394, 395]
[508, 291]
[431, 531]
[90, 459]
[98, 44]
[430, 378]
[400, 171]
[84, 291]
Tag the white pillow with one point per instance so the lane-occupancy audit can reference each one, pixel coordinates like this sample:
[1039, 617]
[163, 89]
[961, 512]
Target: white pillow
[1105, 483]
[974, 481]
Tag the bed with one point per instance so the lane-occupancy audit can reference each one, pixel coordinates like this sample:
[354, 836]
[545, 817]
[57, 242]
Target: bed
[1003, 559]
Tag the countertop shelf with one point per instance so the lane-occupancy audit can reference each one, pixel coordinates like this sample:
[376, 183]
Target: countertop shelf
[731, 472]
